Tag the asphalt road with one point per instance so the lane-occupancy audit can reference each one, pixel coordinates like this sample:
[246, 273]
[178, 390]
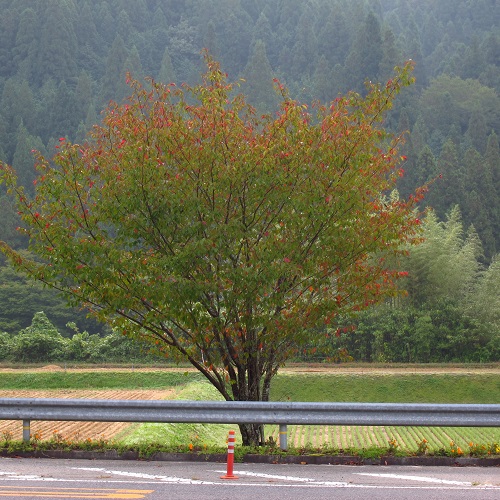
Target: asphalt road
[29, 478]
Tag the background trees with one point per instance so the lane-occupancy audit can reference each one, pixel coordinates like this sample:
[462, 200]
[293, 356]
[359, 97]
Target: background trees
[61, 61]
[21, 298]
[42, 342]
[318, 48]
[451, 312]
[38, 342]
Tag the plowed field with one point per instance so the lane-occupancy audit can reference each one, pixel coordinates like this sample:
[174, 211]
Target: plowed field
[75, 431]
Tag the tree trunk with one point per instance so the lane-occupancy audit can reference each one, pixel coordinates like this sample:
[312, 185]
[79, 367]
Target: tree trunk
[252, 434]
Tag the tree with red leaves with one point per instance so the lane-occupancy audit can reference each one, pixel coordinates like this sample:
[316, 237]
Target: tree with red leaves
[220, 237]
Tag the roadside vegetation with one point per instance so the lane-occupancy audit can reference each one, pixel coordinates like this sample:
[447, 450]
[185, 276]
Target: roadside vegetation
[360, 441]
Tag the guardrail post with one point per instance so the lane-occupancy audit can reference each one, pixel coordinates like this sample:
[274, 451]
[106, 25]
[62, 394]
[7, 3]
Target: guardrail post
[26, 431]
[283, 437]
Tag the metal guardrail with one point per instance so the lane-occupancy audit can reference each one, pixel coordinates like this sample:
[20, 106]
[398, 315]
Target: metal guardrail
[227, 412]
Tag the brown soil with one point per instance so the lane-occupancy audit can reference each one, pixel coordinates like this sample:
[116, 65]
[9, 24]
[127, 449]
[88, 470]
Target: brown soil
[75, 431]
[388, 369]
[352, 368]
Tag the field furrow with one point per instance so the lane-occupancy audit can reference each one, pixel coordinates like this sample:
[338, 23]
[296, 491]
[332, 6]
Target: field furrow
[406, 438]
[75, 431]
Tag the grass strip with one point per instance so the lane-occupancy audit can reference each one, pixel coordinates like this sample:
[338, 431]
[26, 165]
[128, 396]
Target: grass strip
[388, 388]
[379, 436]
[193, 436]
[96, 380]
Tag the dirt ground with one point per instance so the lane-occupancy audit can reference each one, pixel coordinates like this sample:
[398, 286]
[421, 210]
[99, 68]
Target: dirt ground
[390, 370]
[75, 431]
[299, 368]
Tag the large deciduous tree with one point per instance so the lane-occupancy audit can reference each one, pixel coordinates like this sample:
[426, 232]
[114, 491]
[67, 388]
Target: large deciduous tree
[223, 238]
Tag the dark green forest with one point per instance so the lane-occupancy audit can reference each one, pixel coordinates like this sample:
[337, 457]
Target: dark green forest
[62, 61]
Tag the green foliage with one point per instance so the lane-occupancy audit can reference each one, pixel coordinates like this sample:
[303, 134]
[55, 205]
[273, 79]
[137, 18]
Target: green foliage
[259, 75]
[452, 101]
[366, 51]
[485, 300]
[113, 347]
[446, 264]
[39, 342]
[440, 332]
[451, 312]
[11, 221]
[82, 346]
[5, 345]
[42, 342]
[21, 298]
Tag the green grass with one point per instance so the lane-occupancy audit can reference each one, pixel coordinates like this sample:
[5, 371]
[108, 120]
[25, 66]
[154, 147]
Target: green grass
[95, 380]
[200, 436]
[412, 388]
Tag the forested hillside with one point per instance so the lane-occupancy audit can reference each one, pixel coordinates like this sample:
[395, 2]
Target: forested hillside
[61, 61]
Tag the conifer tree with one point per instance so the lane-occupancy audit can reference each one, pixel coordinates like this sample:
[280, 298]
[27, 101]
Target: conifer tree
[57, 48]
[167, 72]
[334, 38]
[114, 77]
[366, 54]
[26, 44]
[492, 159]
[24, 160]
[259, 81]
[451, 182]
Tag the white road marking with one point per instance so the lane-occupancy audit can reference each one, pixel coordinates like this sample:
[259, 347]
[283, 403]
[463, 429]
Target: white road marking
[140, 475]
[304, 482]
[290, 478]
[143, 478]
[424, 479]
[26, 477]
